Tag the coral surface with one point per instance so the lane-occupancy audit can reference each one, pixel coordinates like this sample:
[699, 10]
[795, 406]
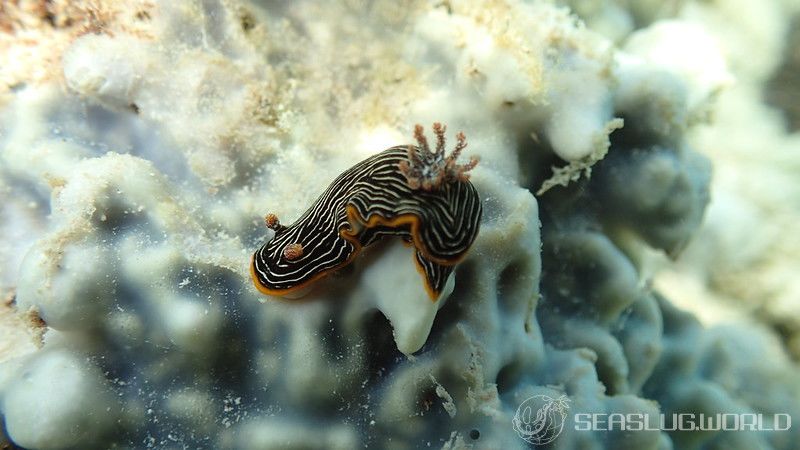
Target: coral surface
[142, 142]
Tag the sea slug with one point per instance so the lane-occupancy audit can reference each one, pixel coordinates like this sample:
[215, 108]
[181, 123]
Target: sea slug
[419, 195]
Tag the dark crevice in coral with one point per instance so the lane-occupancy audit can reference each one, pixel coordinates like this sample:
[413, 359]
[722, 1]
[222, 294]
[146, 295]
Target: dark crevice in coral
[234, 356]
[117, 218]
[233, 361]
[381, 353]
[453, 311]
[335, 345]
[640, 133]
[509, 377]
[786, 329]
[783, 88]
[536, 159]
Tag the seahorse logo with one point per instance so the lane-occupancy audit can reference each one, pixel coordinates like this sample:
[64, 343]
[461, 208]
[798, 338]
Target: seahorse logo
[540, 419]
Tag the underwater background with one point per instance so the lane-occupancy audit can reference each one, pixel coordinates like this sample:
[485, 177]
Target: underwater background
[637, 254]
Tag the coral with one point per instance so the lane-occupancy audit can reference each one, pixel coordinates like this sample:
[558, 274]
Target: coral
[141, 144]
[710, 371]
[72, 402]
[746, 271]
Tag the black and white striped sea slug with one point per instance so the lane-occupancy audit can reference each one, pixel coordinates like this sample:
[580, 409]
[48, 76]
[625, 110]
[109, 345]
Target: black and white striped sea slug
[419, 195]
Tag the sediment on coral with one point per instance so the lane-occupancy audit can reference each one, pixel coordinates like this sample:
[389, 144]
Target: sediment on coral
[137, 171]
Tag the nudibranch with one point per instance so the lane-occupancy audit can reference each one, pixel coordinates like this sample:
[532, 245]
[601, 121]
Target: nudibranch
[421, 196]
